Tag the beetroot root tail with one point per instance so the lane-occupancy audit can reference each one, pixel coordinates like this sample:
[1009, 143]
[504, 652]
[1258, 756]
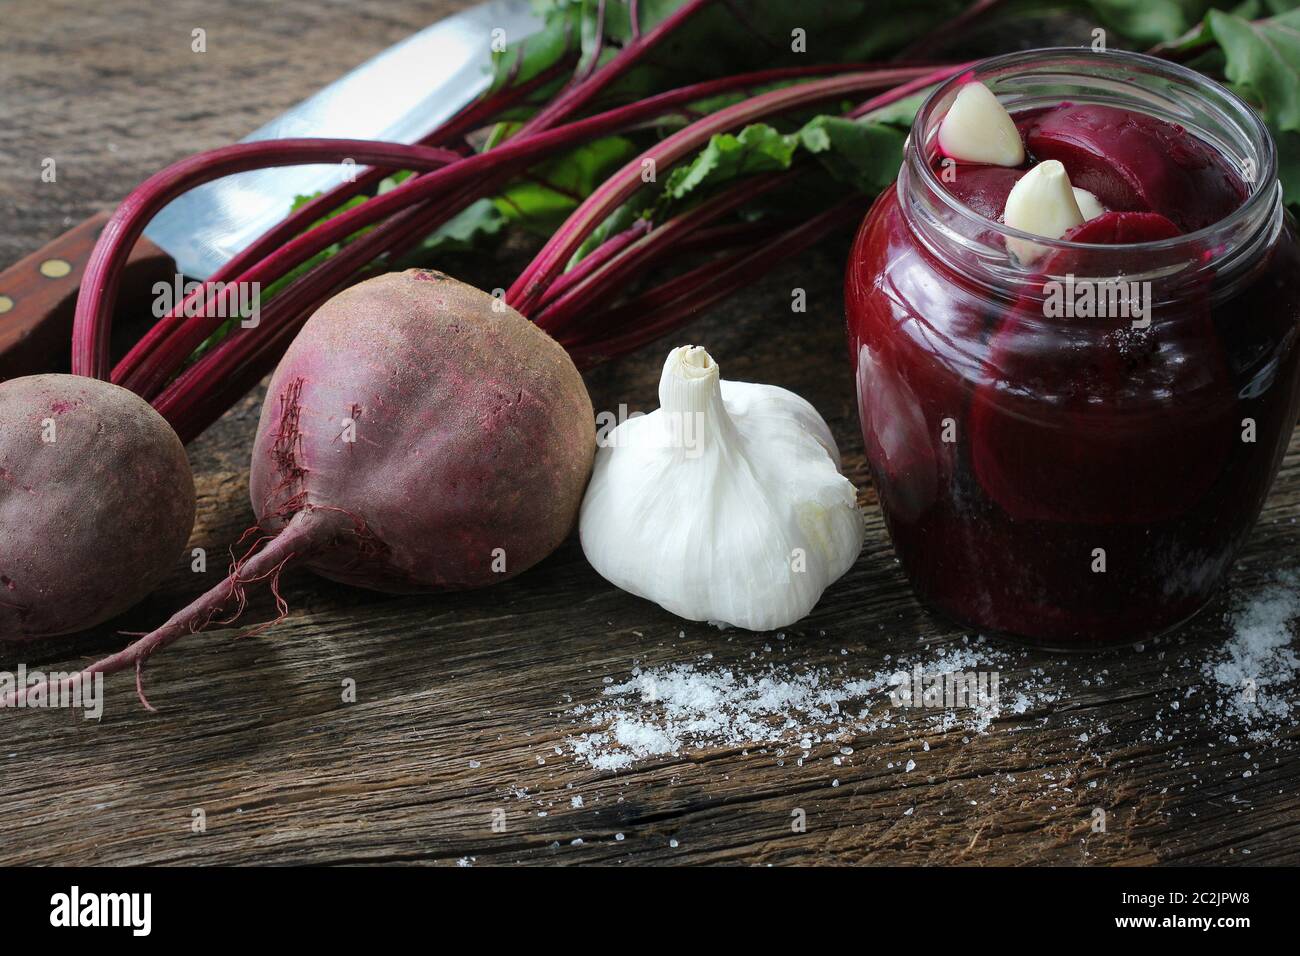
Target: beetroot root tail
[304, 535]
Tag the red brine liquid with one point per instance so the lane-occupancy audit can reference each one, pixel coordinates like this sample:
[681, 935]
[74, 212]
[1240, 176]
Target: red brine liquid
[1072, 456]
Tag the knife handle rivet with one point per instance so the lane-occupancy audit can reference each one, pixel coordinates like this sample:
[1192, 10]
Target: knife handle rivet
[6, 304]
[55, 268]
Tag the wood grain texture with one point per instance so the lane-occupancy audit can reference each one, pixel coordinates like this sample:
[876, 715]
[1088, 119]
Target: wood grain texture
[463, 700]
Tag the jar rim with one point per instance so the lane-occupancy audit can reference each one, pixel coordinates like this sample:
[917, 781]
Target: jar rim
[1264, 188]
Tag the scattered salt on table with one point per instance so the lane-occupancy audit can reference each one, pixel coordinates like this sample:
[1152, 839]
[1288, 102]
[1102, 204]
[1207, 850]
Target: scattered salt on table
[1258, 666]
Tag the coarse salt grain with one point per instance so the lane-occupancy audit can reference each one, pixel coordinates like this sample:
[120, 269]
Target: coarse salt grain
[667, 711]
[1256, 670]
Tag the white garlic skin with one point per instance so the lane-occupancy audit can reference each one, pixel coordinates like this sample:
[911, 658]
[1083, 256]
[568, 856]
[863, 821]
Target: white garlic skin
[705, 505]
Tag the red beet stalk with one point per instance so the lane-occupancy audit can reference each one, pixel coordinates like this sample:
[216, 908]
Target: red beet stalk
[646, 318]
[577, 94]
[502, 162]
[616, 271]
[531, 285]
[184, 399]
[472, 117]
[93, 321]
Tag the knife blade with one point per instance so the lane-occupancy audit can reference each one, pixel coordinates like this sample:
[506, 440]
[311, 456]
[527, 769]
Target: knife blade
[400, 95]
[389, 97]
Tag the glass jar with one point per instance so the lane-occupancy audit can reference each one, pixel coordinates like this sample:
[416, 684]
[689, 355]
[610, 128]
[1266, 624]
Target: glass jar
[1055, 475]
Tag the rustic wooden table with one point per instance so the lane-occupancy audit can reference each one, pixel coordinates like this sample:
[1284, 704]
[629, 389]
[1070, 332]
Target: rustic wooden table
[465, 709]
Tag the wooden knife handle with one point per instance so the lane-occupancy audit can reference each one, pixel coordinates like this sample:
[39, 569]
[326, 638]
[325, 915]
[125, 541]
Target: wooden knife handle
[38, 295]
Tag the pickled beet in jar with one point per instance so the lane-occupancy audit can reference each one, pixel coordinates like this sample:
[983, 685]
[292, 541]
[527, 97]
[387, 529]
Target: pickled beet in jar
[1069, 451]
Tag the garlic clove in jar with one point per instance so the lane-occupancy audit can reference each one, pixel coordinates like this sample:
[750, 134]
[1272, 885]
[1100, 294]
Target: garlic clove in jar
[725, 504]
[1041, 202]
[978, 129]
[1090, 206]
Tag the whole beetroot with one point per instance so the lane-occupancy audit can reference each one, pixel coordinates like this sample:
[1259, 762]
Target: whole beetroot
[96, 503]
[442, 439]
[419, 435]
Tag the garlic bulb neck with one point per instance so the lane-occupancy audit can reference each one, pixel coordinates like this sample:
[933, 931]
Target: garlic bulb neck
[690, 393]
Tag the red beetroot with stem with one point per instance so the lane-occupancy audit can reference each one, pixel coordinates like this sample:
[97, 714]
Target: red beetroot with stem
[419, 436]
[257, 565]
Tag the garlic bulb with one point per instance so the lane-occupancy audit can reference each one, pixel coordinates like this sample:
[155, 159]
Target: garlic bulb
[726, 504]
